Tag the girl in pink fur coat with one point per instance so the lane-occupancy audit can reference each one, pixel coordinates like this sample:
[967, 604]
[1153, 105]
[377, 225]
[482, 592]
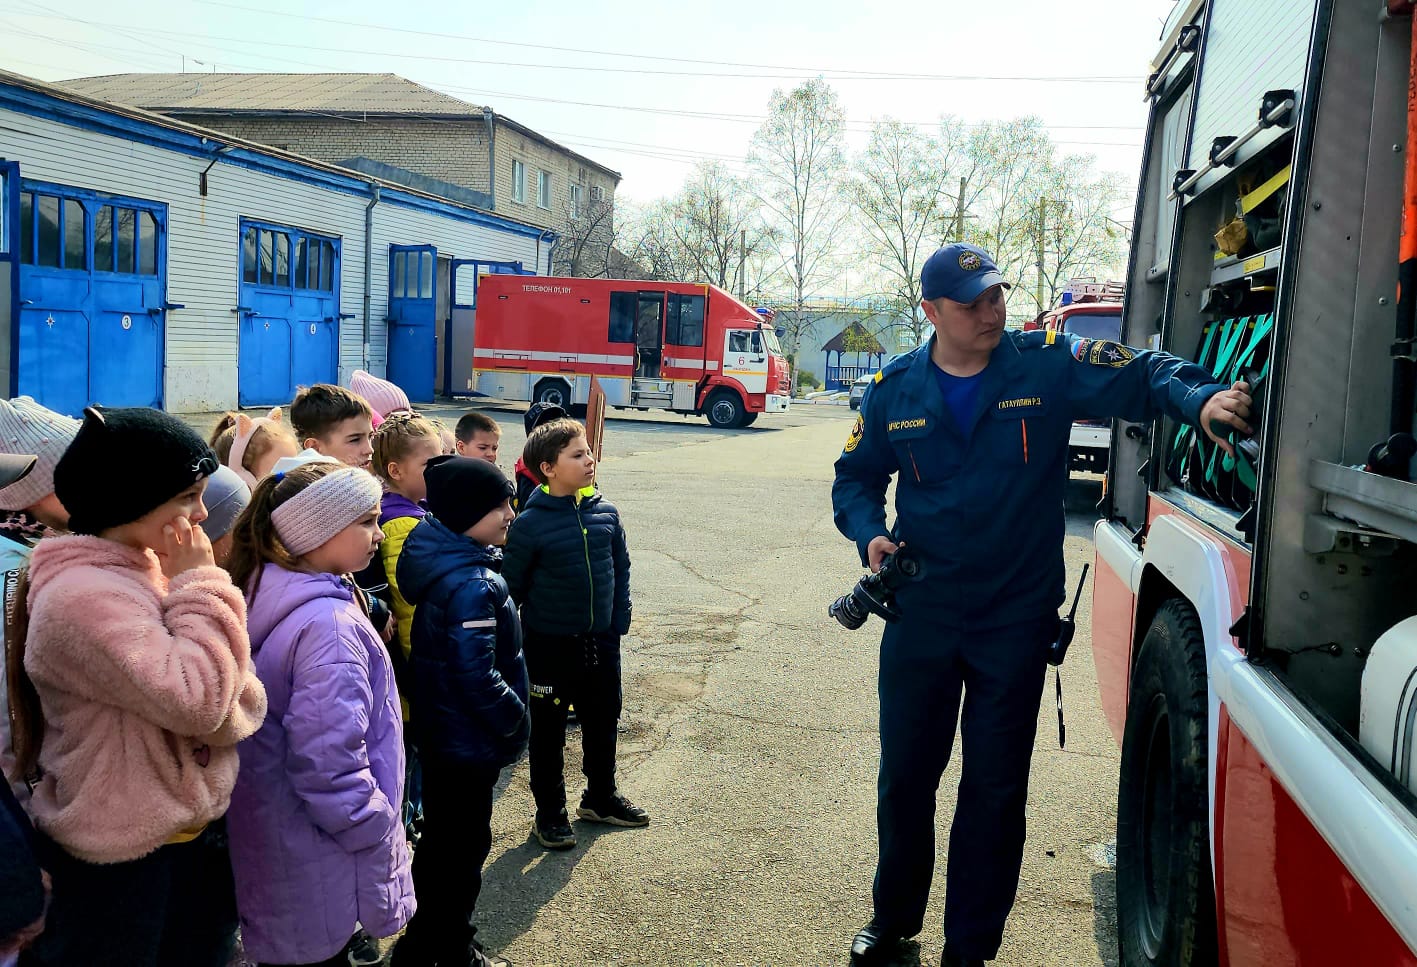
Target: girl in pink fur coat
[138, 651]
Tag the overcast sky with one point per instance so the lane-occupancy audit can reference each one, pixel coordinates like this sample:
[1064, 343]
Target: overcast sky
[648, 88]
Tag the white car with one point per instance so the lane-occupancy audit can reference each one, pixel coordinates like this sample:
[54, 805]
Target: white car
[858, 390]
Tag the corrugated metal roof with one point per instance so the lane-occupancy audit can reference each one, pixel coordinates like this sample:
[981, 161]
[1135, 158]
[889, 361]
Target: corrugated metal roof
[333, 93]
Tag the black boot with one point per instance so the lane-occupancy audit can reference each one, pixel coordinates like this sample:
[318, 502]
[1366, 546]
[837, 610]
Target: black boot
[875, 945]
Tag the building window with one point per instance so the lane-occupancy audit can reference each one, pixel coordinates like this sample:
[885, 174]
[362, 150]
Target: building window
[575, 202]
[284, 259]
[543, 189]
[123, 235]
[597, 193]
[519, 182]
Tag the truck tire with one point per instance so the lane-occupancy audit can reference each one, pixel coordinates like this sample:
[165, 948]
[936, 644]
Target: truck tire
[748, 419]
[1165, 892]
[553, 391]
[724, 409]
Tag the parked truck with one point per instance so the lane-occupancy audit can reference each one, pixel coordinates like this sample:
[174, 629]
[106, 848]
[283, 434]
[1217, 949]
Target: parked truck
[676, 346]
[1255, 612]
[1091, 310]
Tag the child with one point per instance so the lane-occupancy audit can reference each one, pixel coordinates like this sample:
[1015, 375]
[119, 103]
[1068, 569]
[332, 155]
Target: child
[138, 652]
[226, 497]
[536, 414]
[335, 422]
[470, 707]
[30, 511]
[568, 566]
[316, 841]
[478, 436]
[383, 397]
[251, 447]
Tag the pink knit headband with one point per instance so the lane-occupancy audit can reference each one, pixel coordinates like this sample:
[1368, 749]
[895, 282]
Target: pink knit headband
[241, 435]
[325, 508]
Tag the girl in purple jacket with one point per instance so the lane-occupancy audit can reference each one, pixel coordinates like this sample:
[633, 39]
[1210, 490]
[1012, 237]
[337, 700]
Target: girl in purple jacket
[317, 844]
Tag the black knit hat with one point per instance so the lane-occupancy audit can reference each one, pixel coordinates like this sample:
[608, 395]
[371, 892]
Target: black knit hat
[462, 490]
[91, 479]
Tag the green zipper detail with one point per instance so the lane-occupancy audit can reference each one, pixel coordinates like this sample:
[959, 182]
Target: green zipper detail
[590, 574]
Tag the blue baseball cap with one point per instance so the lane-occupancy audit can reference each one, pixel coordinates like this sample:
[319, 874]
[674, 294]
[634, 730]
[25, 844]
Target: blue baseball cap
[958, 272]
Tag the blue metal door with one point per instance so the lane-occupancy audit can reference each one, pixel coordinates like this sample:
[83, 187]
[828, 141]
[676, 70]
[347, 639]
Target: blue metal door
[289, 312]
[92, 298]
[459, 336]
[9, 272]
[412, 320]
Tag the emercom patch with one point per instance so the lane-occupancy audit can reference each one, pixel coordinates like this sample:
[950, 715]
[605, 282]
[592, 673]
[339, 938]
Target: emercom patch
[1107, 353]
[858, 429]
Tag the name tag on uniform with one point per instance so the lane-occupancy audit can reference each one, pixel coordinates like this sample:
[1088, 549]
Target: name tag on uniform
[1020, 406]
[898, 426]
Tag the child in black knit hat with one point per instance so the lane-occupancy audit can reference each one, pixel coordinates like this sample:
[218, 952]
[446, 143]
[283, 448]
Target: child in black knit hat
[469, 697]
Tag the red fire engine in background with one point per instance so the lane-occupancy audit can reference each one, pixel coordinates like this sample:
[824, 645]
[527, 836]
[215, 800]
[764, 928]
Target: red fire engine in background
[675, 346]
[1255, 613]
[1092, 310]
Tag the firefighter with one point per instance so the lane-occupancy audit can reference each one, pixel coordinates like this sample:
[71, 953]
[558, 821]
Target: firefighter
[975, 427]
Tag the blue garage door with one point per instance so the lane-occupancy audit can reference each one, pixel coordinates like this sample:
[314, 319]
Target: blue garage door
[92, 298]
[412, 320]
[289, 309]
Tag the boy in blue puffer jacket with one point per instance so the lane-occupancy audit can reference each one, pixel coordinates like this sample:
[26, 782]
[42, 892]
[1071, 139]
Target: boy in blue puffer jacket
[568, 567]
[469, 698]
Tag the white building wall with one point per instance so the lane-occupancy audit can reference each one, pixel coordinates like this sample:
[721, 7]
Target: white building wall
[203, 250]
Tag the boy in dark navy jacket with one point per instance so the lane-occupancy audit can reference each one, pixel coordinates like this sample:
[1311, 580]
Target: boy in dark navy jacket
[470, 693]
[568, 567]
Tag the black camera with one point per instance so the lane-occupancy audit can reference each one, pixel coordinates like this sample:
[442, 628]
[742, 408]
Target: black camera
[875, 593]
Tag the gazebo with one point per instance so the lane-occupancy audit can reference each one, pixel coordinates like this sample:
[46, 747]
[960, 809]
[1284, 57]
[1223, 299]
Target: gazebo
[856, 342]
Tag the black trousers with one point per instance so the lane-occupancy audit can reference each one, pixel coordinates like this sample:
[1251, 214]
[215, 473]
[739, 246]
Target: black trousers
[175, 907]
[447, 865]
[583, 671]
[924, 670]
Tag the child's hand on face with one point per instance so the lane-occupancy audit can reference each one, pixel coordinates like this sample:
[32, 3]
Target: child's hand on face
[183, 548]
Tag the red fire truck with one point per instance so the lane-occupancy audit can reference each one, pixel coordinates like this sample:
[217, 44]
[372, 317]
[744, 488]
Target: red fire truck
[1253, 615]
[1092, 310]
[673, 346]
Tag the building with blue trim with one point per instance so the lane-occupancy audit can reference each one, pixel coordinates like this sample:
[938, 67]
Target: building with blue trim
[145, 261]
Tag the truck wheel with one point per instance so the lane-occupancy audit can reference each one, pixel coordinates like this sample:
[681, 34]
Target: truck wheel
[748, 419]
[1165, 893]
[724, 409]
[552, 391]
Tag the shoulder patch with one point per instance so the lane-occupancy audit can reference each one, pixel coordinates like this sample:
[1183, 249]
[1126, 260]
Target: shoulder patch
[1080, 347]
[1104, 352]
[858, 430]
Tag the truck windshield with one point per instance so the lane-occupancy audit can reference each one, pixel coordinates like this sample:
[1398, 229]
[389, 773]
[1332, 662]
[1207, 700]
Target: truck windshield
[770, 340]
[1095, 326]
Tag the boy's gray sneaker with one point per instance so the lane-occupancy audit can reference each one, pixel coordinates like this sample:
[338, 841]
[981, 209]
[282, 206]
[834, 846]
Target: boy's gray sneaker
[554, 832]
[614, 811]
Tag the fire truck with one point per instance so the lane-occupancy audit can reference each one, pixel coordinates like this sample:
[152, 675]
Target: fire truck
[1253, 615]
[675, 346]
[1092, 310]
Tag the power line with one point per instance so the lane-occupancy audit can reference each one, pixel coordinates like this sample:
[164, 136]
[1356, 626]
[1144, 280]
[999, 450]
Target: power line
[609, 53]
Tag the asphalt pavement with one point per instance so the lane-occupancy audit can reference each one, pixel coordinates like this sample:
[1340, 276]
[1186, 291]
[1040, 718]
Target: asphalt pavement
[749, 733]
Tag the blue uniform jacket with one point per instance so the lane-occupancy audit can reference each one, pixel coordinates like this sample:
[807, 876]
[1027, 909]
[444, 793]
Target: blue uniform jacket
[983, 506]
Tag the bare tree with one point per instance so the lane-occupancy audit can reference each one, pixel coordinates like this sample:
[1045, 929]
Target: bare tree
[585, 243]
[798, 160]
[899, 189]
[1033, 204]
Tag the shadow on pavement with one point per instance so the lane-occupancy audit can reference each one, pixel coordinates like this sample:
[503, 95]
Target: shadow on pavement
[524, 879]
[1104, 916]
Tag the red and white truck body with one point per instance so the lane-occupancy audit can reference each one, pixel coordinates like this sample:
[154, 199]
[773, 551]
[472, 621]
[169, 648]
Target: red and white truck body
[1253, 616]
[676, 346]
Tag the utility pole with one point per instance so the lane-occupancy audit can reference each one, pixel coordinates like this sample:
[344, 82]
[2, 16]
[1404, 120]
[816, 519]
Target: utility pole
[959, 210]
[742, 265]
[1042, 224]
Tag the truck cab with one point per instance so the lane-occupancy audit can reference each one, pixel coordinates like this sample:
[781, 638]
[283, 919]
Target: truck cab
[1091, 310]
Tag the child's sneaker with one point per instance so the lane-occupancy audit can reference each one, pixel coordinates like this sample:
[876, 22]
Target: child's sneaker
[554, 832]
[616, 811]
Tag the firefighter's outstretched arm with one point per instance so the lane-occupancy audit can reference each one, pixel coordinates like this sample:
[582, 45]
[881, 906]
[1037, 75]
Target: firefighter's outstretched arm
[863, 471]
[1109, 379]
